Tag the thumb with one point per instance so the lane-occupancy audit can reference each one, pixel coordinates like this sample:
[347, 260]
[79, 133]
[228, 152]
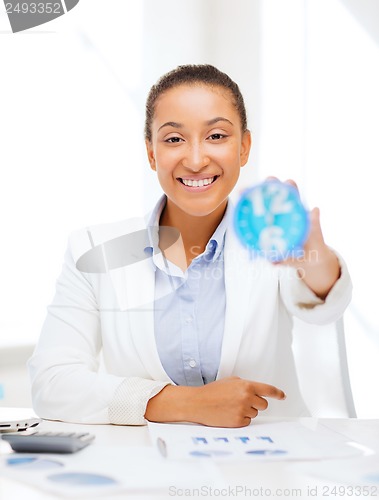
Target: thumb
[315, 237]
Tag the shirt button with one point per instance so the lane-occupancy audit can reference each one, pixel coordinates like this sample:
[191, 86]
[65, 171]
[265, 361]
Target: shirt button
[192, 363]
[189, 320]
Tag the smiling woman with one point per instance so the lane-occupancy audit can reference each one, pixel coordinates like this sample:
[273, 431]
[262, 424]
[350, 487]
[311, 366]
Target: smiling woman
[197, 149]
[193, 330]
[197, 141]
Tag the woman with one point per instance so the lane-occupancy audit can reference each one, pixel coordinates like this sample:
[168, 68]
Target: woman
[189, 327]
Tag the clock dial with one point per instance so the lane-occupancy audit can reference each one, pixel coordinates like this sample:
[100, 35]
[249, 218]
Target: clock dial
[270, 220]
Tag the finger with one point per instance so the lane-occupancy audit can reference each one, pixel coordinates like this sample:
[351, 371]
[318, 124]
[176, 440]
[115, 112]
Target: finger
[269, 391]
[315, 218]
[292, 183]
[259, 403]
[245, 421]
[271, 178]
[252, 413]
[315, 236]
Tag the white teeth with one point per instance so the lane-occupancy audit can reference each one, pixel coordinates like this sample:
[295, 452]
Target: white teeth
[198, 183]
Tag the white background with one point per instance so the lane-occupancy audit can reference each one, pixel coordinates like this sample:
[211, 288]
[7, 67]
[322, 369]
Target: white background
[72, 96]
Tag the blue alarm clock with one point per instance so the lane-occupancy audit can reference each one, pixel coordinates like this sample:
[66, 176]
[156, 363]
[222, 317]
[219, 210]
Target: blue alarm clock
[270, 220]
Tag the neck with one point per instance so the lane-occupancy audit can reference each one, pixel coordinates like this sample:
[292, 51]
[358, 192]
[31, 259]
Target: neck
[195, 230]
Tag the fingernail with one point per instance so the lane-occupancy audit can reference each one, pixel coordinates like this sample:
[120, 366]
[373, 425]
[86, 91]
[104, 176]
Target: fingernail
[285, 396]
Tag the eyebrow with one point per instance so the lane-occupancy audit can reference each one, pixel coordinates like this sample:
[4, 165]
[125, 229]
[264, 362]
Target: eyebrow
[210, 122]
[219, 119]
[171, 124]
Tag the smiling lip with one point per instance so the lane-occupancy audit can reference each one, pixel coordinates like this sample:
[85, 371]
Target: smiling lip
[197, 183]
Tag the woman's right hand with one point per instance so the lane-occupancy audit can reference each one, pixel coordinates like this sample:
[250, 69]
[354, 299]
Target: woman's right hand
[229, 402]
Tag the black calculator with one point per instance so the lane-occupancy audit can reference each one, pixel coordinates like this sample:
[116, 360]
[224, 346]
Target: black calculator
[49, 442]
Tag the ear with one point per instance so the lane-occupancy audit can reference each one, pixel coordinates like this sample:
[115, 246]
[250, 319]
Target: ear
[150, 154]
[245, 147]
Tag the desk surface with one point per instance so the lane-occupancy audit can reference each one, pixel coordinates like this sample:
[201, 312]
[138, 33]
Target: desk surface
[274, 479]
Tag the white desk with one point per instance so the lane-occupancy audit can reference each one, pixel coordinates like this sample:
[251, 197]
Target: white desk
[266, 477]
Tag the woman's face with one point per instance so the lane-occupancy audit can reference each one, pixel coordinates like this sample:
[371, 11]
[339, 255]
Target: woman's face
[197, 147]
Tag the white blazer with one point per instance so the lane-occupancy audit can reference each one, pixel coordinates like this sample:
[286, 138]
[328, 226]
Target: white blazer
[112, 313]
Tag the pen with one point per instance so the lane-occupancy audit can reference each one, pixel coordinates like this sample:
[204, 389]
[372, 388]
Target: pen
[162, 447]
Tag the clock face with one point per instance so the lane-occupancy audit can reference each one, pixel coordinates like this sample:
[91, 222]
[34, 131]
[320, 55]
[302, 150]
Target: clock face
[271, 221]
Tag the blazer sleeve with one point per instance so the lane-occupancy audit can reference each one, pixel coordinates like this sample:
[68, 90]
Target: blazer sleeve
[300, 300]
[67, 383]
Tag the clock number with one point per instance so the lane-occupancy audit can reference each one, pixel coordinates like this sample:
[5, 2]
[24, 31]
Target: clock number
[258, 204]
[271, 239]
[280, 204]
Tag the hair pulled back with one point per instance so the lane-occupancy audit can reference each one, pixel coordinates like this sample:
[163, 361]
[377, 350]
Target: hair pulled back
[193, 74]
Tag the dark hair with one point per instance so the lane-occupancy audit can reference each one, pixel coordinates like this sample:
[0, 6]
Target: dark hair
[193, 74]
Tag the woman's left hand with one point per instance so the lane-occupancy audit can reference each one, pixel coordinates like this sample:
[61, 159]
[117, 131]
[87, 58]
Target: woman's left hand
[317, 265]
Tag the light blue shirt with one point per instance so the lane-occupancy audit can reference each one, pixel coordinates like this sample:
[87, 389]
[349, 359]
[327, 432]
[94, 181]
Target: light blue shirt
[189, 312]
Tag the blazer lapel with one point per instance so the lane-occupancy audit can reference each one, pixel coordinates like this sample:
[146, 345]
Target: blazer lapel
[134, 287]
[238, 282]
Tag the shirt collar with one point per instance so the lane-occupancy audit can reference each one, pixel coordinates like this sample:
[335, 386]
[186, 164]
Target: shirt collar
[214, 246]
[153, 226]
[216, 243]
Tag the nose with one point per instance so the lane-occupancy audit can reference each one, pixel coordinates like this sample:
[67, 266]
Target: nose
[195, 158]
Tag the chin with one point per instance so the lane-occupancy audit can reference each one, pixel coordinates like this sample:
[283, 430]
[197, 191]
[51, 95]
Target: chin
[201, 211]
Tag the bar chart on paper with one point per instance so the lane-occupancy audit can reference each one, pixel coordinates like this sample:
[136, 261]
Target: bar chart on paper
[268, 441]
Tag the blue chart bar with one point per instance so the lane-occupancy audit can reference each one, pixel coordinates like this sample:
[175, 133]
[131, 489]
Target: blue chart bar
[244, 439]
[81, 479]
[266, 438]
[201, 440]
[267, 452]
[210, 453]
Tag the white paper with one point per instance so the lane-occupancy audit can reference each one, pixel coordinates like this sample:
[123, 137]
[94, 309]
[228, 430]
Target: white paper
[363, 471]
[262, 442]
[130, 468]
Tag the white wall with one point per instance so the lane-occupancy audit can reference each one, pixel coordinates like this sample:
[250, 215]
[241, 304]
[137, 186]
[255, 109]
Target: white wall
[342, 131]
[70, 150]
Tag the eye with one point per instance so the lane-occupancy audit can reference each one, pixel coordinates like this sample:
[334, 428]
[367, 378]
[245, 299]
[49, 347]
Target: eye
[217, 137]
[173, 140]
